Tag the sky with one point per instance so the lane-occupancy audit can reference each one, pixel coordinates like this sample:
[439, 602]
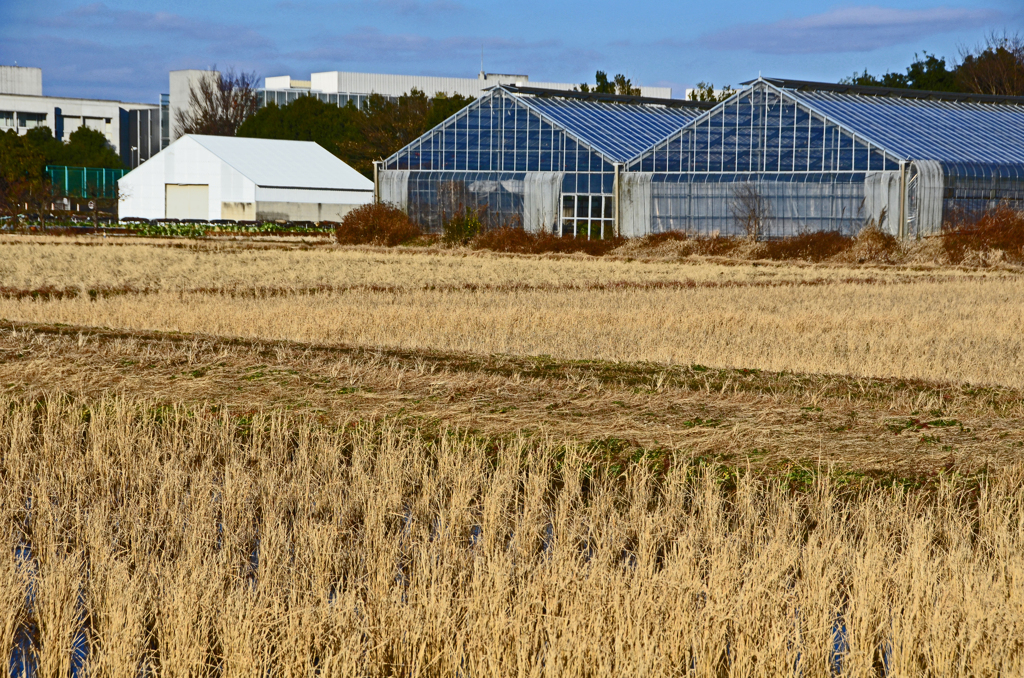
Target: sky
[123, 50]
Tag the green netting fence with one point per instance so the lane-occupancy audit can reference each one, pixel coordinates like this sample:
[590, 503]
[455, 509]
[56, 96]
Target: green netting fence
[85, 182]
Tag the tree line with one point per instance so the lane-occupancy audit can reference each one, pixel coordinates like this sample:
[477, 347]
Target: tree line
[357, 135]
[226, 105]
[995, 67]
[24, 184]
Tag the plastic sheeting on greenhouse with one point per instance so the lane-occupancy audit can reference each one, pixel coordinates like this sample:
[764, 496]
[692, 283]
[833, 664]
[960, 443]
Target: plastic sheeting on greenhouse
[882, 200]
[393, 188]
[541, 191]
[635, 204]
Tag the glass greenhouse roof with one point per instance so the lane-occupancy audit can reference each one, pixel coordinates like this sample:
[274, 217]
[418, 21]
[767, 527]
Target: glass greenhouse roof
[618, 131]
[947, 131]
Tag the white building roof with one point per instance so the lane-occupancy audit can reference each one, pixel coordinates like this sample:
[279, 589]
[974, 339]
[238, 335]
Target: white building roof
[284, 164]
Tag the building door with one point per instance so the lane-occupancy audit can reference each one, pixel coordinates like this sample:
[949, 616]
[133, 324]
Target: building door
[588, 216]
[188, 201]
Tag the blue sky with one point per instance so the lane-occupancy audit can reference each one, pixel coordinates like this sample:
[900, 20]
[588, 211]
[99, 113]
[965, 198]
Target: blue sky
[123, 50]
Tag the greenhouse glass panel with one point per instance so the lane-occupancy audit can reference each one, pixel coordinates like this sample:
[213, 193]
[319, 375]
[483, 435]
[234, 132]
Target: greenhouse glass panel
[478, 159]
[761, 147]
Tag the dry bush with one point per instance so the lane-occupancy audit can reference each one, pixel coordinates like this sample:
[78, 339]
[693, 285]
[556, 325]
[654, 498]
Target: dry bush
[684, 244]
[204, 542]
[512, 239]
[376, 223]
[656, 239]
[997, 230]
[817, 246]
[506, 239]
[873, 245]
[548, 242]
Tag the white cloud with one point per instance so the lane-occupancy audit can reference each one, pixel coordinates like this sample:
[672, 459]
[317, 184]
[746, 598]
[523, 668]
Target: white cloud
[847, 29]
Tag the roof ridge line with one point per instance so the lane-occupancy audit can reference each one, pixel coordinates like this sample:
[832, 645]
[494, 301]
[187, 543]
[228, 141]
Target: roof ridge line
[890, 92]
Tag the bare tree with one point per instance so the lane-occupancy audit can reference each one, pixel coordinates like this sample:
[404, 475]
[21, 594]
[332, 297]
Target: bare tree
[997, 67]
[218, 103]
[750, 208]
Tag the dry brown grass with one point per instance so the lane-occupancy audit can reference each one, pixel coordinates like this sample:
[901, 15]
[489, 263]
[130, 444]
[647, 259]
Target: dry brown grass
[198, 542]
[964, 331]
[743, 417]
[940, 325]
[196, 505]
[36, 262]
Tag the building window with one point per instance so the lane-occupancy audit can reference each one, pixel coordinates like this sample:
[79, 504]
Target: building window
[6, 118]
[31, 120]
[165, 121]
[588, 216]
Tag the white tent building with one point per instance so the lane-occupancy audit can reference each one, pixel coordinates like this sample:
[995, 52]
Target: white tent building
[207, 178]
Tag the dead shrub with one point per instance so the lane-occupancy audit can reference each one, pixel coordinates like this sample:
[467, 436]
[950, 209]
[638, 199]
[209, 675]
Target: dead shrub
[506, 239]
[1000, 229]
[816, 246]
[377, 223]
[656, 239]
[751, 208]
[685, 244]
[714, 245]
[874, 245]
[548, 242]
[512, 239]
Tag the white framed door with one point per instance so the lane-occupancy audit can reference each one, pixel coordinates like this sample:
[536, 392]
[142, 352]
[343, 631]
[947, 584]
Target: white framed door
[187, 201]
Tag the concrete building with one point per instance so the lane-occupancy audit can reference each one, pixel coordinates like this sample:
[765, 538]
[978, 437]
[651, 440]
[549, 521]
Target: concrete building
[339, 87]
[177, 101]
[131, 129]
[207, 178]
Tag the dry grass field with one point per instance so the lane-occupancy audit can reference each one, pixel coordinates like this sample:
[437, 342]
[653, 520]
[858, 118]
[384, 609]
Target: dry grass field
[228, 458]
[172, 541]
[941, 325]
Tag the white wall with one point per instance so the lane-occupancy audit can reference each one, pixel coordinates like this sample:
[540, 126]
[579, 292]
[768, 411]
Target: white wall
[278, 82]
[180, 86]
[21, 80]
[313, 195]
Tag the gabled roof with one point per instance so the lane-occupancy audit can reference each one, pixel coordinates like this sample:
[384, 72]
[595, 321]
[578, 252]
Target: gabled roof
[953, 129]
[619, 131]
[284, 164]
[898, 92]
[914, 129]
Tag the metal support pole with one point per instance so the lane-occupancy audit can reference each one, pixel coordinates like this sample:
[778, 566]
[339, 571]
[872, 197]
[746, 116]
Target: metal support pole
[616, 187]
[903, 200]
[376, 180]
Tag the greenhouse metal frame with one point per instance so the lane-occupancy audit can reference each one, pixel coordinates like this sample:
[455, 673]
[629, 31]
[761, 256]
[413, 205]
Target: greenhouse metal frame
[530, 157]
[777, 158]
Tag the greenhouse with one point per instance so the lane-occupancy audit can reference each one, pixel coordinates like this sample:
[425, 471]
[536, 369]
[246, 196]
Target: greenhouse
[541, 159]
[779, 157]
